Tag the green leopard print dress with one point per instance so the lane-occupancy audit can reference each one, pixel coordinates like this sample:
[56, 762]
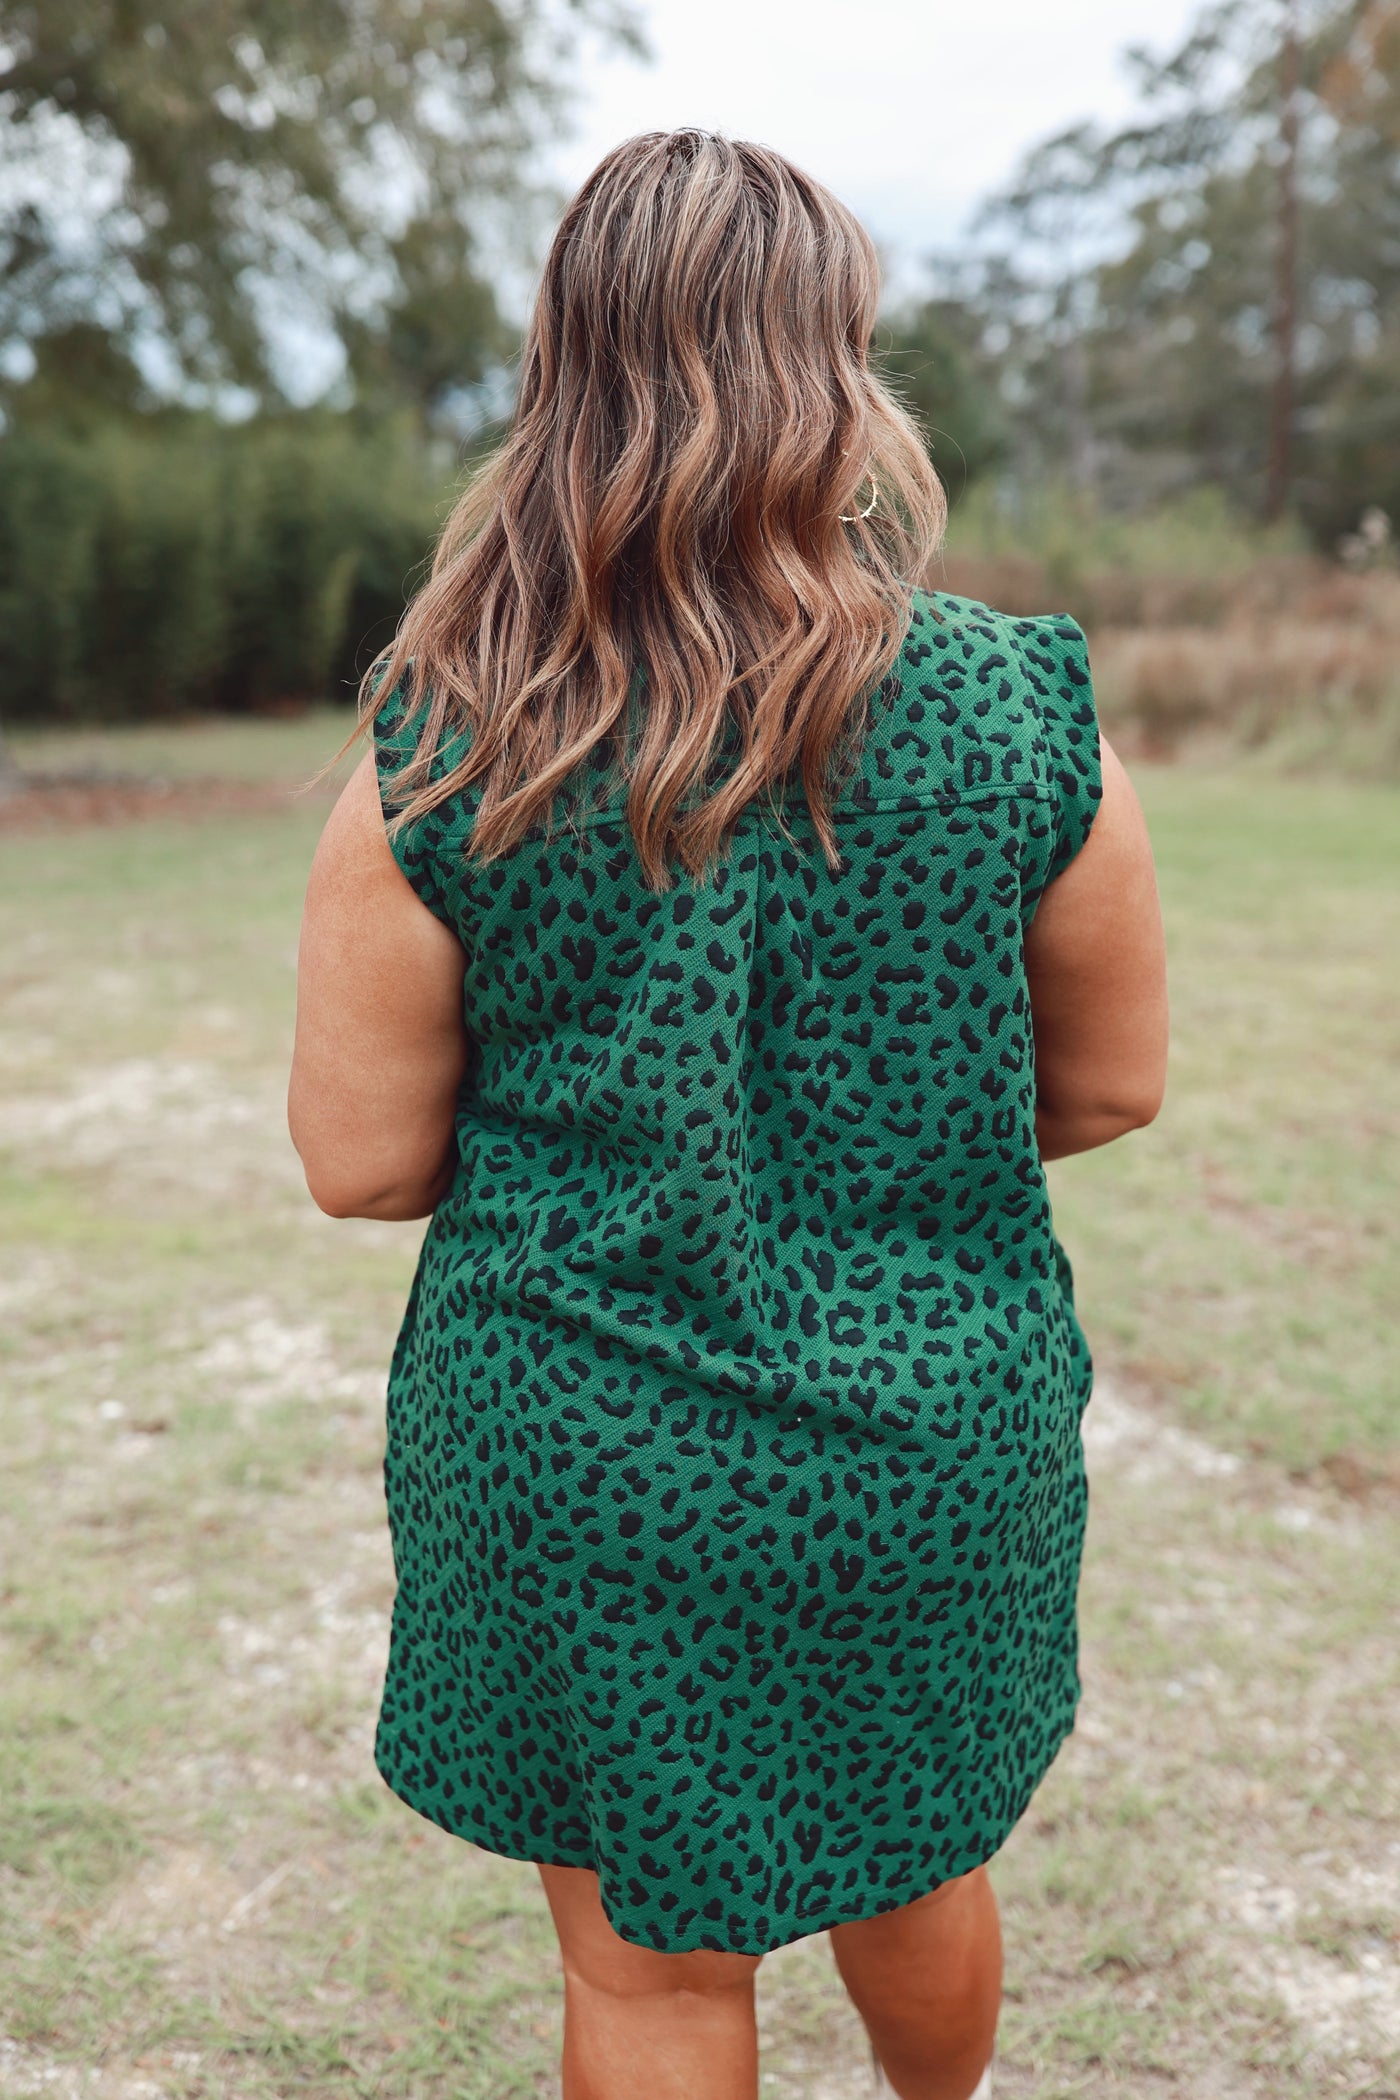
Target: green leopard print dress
[734, 1467]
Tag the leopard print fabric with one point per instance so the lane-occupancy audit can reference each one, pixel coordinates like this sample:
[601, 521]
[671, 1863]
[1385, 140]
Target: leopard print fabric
[734, 1469]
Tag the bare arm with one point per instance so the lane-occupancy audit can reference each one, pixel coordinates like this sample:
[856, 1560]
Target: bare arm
[1096, 961]
[380, 1042]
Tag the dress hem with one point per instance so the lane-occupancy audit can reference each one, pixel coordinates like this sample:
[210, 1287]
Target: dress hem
[921, 1886]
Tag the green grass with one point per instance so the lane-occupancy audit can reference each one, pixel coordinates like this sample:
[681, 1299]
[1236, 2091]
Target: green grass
[202, 1882]
[213, 747]
[1239, 1261]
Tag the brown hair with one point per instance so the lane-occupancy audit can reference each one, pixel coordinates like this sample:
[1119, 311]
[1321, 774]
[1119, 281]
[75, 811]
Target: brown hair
[696, 413]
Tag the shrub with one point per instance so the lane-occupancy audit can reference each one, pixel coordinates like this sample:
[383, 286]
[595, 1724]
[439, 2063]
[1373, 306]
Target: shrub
[1203, 630]
[179, 564]
[1254, 682]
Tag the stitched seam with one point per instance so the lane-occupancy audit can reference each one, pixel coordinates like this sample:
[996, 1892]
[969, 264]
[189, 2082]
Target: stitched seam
[905, 805]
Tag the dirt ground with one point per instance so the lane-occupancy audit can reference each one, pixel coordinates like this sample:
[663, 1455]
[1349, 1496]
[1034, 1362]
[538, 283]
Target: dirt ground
[41, 804]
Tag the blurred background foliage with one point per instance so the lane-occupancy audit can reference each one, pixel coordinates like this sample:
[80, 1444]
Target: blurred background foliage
[188, 563]
[1162, 382]
[1209, 296]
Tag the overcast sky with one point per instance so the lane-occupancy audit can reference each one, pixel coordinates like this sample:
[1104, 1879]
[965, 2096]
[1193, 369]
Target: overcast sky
[910, 109]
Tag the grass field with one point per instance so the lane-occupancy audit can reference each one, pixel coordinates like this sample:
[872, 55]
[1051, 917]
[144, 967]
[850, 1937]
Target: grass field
[205, 1890]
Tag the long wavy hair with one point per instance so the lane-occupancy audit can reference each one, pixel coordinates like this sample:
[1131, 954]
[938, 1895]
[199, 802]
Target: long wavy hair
[681, 509]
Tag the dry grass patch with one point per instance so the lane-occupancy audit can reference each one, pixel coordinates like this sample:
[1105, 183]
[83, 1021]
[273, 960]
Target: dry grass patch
[1286, 654]
[1332, 691]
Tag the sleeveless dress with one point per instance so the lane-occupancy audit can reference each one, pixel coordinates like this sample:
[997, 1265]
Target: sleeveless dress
[733, 1467]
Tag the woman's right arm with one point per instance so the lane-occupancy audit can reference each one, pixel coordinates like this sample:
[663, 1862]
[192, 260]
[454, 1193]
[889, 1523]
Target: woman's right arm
[1096, 963]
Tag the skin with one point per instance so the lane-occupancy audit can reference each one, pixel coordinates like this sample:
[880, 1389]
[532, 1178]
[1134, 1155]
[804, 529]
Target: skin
[925, 1979]
[381, 1051]
[1097, 969]
[380, 1044]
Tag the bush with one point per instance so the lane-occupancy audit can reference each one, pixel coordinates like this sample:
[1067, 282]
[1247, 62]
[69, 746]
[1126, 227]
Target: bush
[1052, 549]
[1205, 631]
[147, 568]
[1309, 683]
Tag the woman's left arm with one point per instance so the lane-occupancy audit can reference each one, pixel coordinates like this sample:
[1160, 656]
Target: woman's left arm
[380, 1044]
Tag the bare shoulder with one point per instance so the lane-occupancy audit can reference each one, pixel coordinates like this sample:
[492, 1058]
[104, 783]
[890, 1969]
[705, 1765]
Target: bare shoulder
[1110, 878]
[355, 875]
[380, 1043]
[354, 846]
[1096, 969]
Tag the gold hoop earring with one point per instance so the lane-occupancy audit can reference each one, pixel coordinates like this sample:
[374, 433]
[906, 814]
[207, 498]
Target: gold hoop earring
[874, 499]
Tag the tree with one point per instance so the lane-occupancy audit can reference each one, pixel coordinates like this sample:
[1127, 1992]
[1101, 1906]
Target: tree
[930, 351]
[187, 182]
[1243, 275]
[1351, 443]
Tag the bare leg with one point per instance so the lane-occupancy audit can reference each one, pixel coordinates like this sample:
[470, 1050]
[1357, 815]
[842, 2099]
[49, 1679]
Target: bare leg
[639, 2025]
[926, 1980]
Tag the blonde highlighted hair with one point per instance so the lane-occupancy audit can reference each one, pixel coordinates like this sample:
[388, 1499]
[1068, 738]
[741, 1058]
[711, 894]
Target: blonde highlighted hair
[680, 495]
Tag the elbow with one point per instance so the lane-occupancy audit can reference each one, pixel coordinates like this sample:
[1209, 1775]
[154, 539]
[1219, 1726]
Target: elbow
[1143, 1106]
[332, 1198]
[392, 1202]
[1126, 1112]
[1128, 1098]
[1153, 1092]
[331, 1193]
[1085, 1124]
[350, 1175]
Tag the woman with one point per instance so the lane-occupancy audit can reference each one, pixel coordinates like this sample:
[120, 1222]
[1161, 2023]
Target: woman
[747, 930]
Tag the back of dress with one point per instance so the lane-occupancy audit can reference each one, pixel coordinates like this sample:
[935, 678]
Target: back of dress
[734, 1463]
